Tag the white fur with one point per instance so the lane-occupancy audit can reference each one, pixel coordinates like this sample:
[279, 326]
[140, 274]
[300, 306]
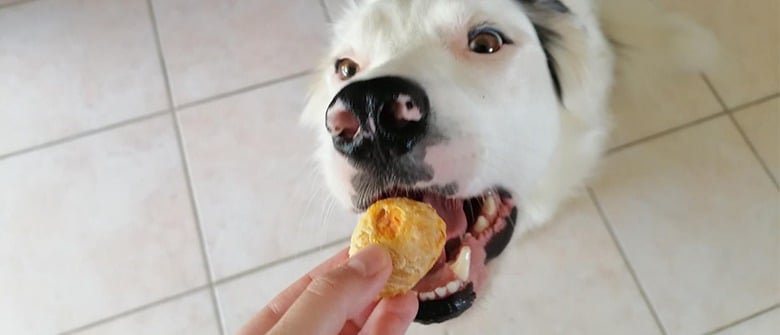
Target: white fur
[502, 119]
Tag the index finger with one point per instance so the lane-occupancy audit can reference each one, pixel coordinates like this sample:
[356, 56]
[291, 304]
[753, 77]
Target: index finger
[271, 313]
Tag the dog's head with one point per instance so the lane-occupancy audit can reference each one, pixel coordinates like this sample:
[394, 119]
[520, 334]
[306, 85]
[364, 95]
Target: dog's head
[452, 102]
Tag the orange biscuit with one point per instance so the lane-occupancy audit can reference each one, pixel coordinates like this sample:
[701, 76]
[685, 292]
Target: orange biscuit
[411, 231]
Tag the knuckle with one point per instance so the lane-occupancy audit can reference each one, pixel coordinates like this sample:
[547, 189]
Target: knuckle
[324, 286]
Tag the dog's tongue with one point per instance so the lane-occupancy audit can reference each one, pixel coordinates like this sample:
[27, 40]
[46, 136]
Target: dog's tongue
[452, 213]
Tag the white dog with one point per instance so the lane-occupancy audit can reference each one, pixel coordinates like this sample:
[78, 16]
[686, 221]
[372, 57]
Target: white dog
[492, 111]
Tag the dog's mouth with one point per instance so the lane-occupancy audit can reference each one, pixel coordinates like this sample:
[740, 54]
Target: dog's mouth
[478, 230]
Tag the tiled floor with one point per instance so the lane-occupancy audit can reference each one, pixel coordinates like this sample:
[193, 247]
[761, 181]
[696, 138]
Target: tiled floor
[143, 185]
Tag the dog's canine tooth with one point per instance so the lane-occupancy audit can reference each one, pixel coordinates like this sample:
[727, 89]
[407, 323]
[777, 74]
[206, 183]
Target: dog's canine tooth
[489, 208]
[481, 224]
[462, 265]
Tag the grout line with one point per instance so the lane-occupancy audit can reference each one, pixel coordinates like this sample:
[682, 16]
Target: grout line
[12, 4]
[743, 320]
[135, 310]
[74, 137]
[326, 11]
[753, 149]
[160, 55]
[714, 92]
[205, 257]
[206, 286]
[742, 132]
[244, 90]
[664, 133]
[726, 111]
[119, 124]
[630, 268]
[737, 108]
[755, 102]
[280, 261]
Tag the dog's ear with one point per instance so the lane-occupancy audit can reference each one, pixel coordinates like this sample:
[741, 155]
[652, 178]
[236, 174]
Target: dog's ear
[546, 17]
[546, 5]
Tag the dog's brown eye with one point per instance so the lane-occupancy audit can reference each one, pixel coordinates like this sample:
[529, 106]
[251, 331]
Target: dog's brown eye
[486, 42]
[346, 68]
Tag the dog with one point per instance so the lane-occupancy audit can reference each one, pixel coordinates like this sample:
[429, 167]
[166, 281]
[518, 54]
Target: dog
[494, 112]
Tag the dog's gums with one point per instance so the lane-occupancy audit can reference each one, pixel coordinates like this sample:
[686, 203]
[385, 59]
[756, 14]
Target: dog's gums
[478, 230]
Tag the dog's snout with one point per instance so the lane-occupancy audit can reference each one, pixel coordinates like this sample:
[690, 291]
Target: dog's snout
[380, 117]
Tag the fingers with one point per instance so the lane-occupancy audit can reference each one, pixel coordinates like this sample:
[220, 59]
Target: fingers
[340, 295]
[271, 313]
[392, 316]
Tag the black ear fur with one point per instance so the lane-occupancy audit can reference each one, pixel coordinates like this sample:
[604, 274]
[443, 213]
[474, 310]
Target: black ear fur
[553, 5]
[540, 12]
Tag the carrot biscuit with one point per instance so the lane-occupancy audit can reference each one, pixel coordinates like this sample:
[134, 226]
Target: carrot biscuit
[411, 231]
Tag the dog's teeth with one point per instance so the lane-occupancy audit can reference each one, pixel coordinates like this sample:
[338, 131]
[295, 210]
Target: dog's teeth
[453, 286]
[489, 208]
[441, 292]
[426, 296]
[481, 224]
[462, 265]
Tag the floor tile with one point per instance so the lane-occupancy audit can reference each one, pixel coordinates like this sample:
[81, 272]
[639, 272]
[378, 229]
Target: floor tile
[191, 315]
[761, 124]
[765, 324]
[259, 194]
[241, 299]
[700, 223]
[567, 278]
[94, 227]
[83, 64]
[748, 30]
[655, 103]
[212, 47]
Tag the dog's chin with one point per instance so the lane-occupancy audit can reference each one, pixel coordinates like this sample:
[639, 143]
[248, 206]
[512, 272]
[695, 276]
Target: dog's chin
[478, 230]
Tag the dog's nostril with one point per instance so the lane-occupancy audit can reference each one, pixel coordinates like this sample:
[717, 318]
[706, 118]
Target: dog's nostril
[397, 114]
[404, 109]
[343, 123]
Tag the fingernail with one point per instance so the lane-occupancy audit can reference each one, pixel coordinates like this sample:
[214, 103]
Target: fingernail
[369, 261]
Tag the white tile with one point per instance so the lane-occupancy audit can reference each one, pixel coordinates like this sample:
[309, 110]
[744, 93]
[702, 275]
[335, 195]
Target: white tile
[748, 30]
[700, 223]
[241, 299]
[94, 227]
[74, 65]
[191, 315]
[567, 278]
[212, 47]
[761, 124]
[765, 324]
[259, 193]
[656, 103]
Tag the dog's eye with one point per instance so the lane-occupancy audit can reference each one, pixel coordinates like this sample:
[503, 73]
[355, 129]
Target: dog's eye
[485, 41]
[346, 68]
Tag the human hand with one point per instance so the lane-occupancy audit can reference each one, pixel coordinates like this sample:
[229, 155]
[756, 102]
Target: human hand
[338, 297]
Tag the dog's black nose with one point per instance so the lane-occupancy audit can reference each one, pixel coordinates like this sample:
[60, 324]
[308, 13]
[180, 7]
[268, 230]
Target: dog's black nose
[383, 116]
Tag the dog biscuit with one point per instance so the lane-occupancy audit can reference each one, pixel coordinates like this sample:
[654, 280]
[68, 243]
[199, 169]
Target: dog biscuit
[411, 231]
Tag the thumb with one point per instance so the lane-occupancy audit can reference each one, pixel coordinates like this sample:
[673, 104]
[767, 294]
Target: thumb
[341, 294]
